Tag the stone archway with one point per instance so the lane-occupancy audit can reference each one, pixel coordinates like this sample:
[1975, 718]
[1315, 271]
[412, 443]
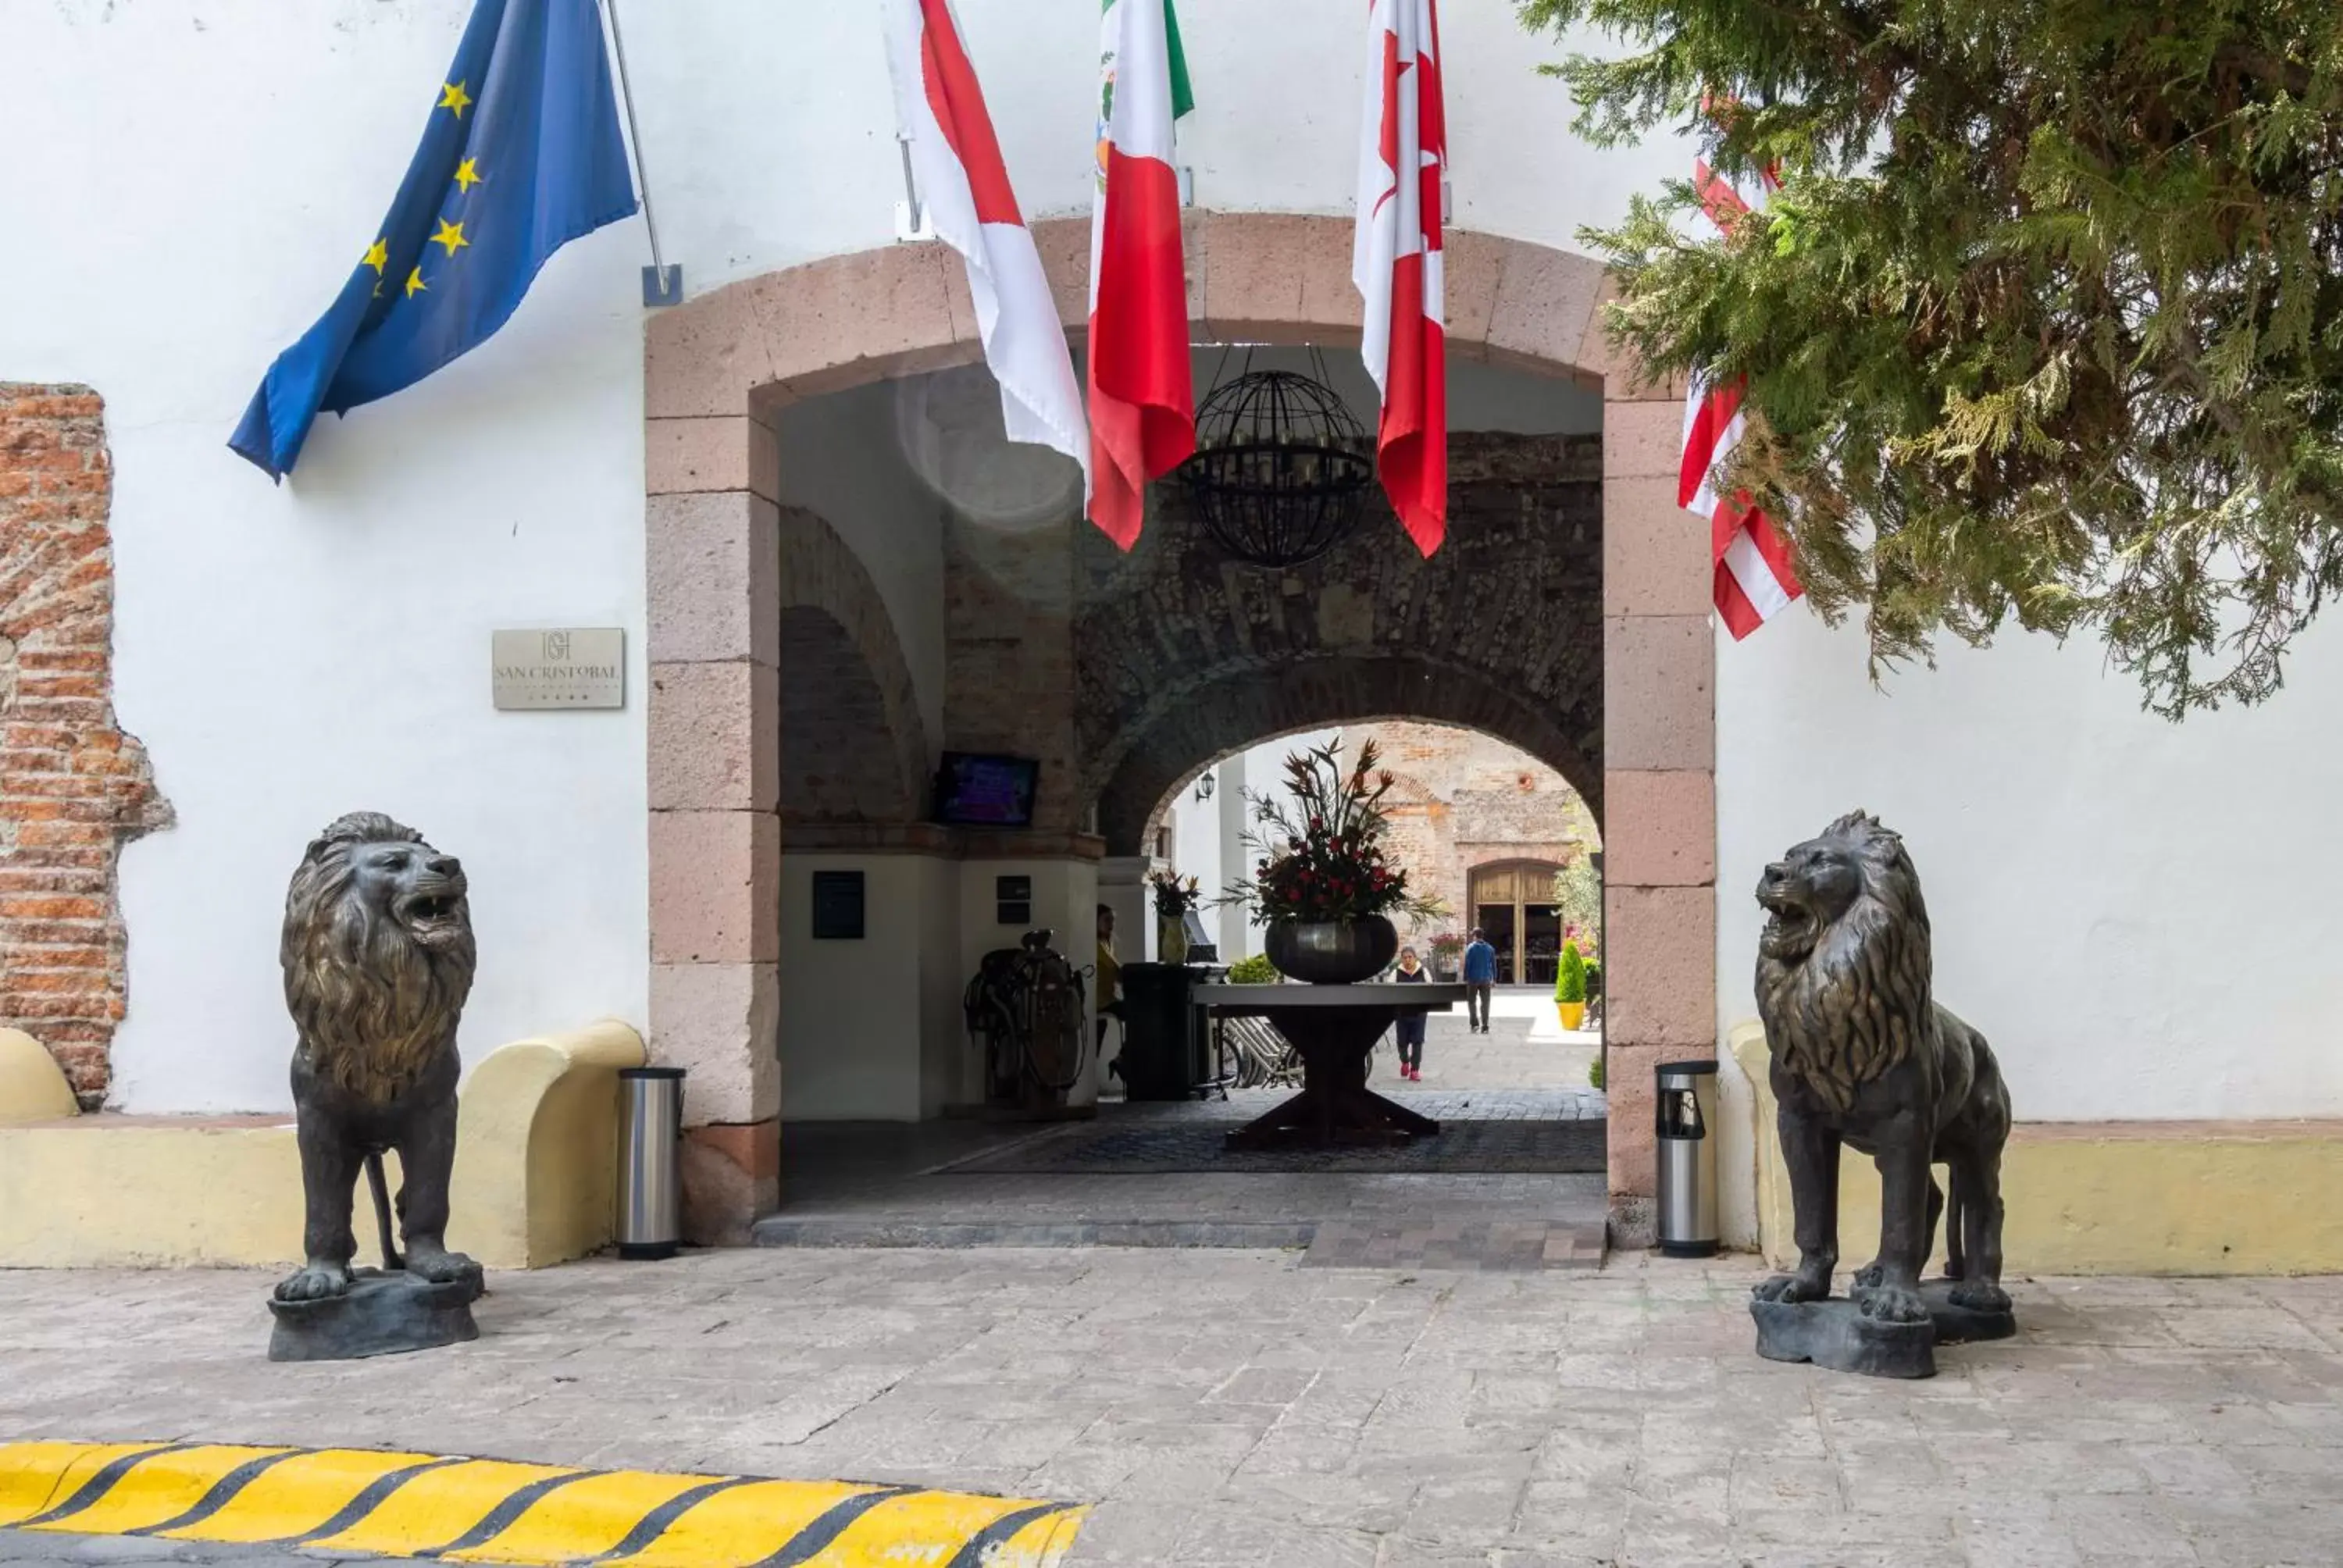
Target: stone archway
[717, 368]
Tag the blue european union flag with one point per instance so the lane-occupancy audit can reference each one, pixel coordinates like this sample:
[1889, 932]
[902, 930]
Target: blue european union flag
[522, 155]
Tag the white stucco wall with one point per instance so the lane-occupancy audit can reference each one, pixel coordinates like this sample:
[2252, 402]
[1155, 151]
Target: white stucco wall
[2138, 915]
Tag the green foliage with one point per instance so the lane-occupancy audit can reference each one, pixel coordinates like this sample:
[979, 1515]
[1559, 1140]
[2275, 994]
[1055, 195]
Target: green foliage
[1570, 975]
[1578, 896]
[1254, 970]
[2046, 322]
[1594, 1072]
[1594, 979]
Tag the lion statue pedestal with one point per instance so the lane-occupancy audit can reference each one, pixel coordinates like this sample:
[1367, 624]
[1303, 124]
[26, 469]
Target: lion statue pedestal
[1864, 1058]
[378, 957]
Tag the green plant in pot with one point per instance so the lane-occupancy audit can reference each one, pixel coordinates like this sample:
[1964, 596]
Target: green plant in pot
[1570, 987]
[1321, 885]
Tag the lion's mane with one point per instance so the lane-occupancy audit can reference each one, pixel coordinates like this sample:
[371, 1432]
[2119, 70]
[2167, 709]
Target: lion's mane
[372, 1005]
[1858, 1004]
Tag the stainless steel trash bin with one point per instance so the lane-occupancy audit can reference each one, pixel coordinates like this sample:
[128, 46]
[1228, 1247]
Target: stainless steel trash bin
[1687, 1150]
[650, 1152]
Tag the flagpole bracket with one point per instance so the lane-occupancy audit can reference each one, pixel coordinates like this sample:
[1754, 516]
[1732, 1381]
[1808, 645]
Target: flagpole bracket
[912, 224]
[1187, 177]
[663, 285]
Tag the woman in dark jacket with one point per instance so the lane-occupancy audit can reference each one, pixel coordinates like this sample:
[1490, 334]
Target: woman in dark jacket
[1410, 1026]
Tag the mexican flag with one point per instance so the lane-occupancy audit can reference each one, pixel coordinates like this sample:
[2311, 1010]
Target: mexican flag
[1142, 408]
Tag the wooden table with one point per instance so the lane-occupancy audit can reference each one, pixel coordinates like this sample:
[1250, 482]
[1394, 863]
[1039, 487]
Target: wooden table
[1334, 1028]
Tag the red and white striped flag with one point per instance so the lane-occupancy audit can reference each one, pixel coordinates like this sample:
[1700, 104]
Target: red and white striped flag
[1754, 579]
[964, 185]
[1396, 260]
[1142, 405]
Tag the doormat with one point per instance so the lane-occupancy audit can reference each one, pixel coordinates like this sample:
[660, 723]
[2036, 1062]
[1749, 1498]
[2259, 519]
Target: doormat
[1462, 1148]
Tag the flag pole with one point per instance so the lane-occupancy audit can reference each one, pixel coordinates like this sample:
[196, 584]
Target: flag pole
[661, 285]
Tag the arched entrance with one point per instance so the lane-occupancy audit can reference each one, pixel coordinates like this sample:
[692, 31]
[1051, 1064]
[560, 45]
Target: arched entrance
[717, 369]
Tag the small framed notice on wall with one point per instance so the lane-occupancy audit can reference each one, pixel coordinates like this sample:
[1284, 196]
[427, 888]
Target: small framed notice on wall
[837, 906]
[1013, 900]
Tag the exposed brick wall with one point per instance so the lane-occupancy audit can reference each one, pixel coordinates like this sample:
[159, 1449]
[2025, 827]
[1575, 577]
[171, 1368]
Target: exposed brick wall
[852, 746]
[1464, 799]
[72, 786]
[1182, 656]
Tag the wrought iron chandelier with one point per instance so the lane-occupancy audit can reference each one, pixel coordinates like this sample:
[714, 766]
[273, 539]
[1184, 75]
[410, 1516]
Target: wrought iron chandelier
[1281, 473]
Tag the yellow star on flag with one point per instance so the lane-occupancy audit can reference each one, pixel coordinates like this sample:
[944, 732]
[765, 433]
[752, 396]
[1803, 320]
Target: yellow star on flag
[450, 234]
[467, 174]
[378, 257]
[452, 97]
[415, 284]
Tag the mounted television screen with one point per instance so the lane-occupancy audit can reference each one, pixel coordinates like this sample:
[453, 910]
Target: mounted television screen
[981, 791]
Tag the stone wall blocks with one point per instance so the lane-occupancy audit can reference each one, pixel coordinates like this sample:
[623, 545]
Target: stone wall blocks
[713, 876]
[1658, 679]
[1657, 557]
[714, 570]
[715, 737]
[1660, 828]
[1662, 944]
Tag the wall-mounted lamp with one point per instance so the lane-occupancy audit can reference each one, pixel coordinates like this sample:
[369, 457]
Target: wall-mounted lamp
[1204, 787]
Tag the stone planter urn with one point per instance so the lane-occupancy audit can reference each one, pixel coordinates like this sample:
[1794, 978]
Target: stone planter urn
[1332, 952]
[1170, 939]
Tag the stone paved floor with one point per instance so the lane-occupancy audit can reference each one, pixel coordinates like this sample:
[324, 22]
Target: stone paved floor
[873, 1184]
[1231, 1408]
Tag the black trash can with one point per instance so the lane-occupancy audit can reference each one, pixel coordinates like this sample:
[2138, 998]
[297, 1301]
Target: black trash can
[1162, 1050]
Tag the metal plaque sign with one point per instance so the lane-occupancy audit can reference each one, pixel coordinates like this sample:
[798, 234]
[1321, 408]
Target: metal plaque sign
[571, 667]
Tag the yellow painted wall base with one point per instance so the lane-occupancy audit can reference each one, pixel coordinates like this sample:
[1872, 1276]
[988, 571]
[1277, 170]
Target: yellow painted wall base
[2108, 1198]
[536, 1170]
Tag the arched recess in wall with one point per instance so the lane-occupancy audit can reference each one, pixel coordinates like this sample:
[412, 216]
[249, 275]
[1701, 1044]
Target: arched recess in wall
[852, 746]
[1227, 710]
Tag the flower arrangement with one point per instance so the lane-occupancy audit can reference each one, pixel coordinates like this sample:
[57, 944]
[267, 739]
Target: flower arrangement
[1447, 947]
[1174, 895]
[1320, 859]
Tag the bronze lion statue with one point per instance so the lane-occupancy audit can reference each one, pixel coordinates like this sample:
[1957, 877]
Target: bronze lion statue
[378, 956]
[1862, 1055]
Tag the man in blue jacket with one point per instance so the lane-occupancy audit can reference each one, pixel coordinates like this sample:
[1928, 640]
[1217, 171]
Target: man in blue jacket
[1480, 974]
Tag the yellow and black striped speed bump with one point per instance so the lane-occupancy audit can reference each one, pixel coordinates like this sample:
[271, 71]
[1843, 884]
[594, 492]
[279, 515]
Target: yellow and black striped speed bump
[491, 1511]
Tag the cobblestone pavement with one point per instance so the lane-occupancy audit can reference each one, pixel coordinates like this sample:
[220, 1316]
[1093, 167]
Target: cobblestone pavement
[1234, 1408]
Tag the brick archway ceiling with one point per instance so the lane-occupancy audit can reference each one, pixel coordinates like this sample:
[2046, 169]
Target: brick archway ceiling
[837, 765]
[853, 747]
[1181, 657]
[1243, 707]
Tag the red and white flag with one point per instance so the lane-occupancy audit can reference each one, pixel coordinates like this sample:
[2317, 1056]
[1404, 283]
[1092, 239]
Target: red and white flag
[1143, 406]
[964, 186]
[1754, 579]
[1396, 260]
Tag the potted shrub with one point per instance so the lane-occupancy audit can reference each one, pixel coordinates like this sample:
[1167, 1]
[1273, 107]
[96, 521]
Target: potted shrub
[1570, 987]
[1321, 883]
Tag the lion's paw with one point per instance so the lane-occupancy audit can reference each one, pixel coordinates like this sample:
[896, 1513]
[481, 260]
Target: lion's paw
[1893, 1304]
[1978, 1296]
[441, 1267]
[314, 1283]
[1789, 1287]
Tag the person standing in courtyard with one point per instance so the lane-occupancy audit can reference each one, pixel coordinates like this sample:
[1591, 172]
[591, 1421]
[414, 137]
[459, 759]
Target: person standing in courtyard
[1110, 976]
[1480, 978]
[1410, 1025]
